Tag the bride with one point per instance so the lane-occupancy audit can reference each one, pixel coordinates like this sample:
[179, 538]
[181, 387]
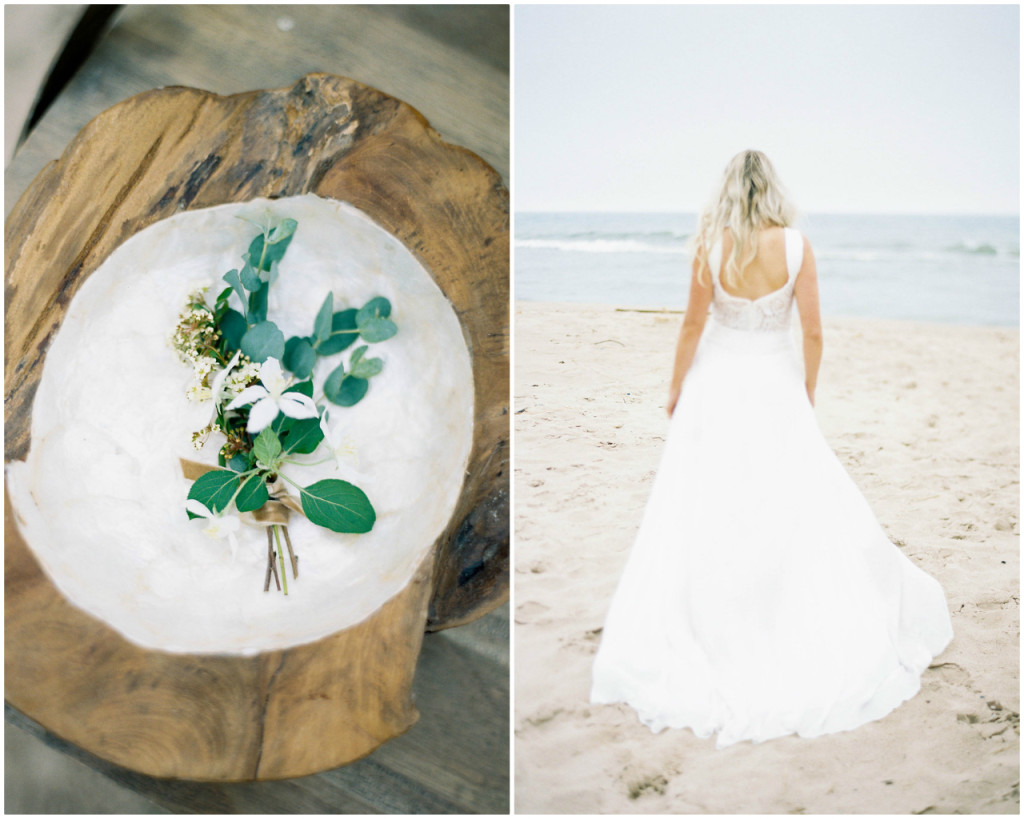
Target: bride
[761, 597]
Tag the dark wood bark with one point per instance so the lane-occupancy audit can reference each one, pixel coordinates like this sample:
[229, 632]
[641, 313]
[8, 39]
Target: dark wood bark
[292, 712]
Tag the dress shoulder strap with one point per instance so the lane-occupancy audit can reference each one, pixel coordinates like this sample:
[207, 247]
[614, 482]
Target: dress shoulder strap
[794, 251]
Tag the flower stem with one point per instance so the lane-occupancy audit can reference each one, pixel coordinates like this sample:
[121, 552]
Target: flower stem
[280, 554]
[291, 554]
[263, 255]
[270, 561]
[271, 565]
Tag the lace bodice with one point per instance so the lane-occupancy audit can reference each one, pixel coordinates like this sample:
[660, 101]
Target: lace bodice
[770, 312]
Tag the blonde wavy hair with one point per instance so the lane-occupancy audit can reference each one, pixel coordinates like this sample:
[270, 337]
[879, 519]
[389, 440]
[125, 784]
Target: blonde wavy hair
[749, 199]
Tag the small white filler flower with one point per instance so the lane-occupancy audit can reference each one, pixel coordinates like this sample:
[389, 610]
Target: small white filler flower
[270, 398]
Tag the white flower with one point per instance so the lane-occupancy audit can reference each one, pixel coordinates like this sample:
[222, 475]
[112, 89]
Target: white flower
[339, 445]
[270, 398]
[217, 387]
[224, 525]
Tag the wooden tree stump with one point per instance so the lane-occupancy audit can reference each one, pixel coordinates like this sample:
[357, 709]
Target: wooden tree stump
[304, 709]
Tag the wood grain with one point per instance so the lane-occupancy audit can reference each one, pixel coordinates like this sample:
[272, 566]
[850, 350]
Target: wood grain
[454, 760]
[229, 49]
[283, 713]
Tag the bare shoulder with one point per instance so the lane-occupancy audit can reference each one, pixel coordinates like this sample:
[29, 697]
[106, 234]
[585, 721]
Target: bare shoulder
[807, 245]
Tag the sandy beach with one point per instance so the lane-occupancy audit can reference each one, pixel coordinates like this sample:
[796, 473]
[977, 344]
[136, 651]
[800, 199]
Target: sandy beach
[926, 420]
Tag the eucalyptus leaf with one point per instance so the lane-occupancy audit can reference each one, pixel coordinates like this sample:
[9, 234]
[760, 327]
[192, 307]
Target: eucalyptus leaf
[367, 368]
[324, 319]
[333, 383]
[258, 304]
[357, 355]
[263, 341]
[232, 278]
[238, 462]
[252, 495]
[343, 333]
[338, 506]
[377, 329]
[232, 328]
[302, 436]
[275, 252]
[379, 307]
[271, 276]
[214, 489]
[282, 231]
[252, 222]
[299, 357]
[250, 278]
[350, 391]
[267, 448]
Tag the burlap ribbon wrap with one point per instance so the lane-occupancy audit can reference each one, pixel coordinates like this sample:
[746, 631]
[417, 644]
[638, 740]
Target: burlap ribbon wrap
[275, 511]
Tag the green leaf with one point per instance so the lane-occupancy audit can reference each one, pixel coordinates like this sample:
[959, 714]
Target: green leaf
[377, 329]
[224, 294]
[322, 327]
[367, 368]
[299, 357]
[372, 320]
[333, 382]
[215, 489]
[282, 231]
[232, 328]
[379, 307]
[305, 387]
[250, 278]
[359, 367]
[252, 495]
[275, 271]
[252, 222]
[338, 506]
[263, 341]
[343, 333]
[303, 436]
[258, 304]
[238, 462]
[231, 277]
[350, 392]
[275, 251]
[267, 448]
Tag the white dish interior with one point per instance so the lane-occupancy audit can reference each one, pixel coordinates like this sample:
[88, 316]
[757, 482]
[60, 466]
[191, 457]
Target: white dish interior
[100, 498]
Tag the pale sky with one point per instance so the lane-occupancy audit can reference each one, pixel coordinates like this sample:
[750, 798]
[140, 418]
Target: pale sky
[880, 109]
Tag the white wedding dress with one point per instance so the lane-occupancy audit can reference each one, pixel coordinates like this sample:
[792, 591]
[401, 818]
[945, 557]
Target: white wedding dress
[761, 597]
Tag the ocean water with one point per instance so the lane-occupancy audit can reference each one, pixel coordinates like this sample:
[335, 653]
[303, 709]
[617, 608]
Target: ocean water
[946, 269]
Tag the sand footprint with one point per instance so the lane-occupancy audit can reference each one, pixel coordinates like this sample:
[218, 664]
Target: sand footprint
[528, 612]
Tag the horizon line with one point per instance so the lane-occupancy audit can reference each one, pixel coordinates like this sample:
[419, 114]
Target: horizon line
[1014, 214]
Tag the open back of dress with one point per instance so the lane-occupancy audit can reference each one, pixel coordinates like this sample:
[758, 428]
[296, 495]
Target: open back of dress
[761, 597]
